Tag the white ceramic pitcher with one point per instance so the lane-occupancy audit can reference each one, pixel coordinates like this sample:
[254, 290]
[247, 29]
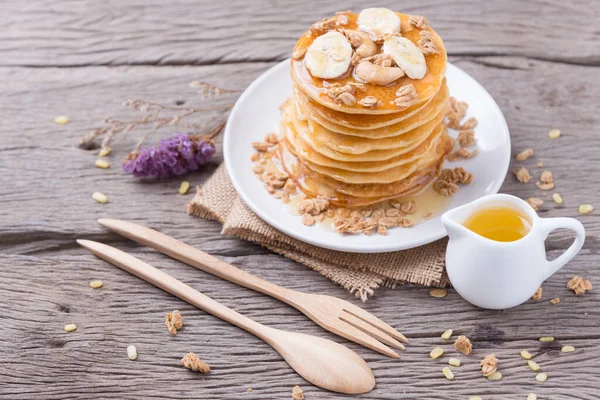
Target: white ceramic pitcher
[498, 275]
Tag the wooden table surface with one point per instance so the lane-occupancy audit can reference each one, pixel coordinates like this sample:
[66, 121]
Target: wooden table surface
[540, 60]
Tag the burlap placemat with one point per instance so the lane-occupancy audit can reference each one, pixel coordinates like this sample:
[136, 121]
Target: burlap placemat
[360, 274]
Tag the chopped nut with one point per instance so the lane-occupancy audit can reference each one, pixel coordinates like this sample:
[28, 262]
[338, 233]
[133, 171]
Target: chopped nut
[455, 362]
[525, 354]
[585, 208]
[535, 203]
[555, 300]
[447, 334]
[255, 157]
[496, 376]
[100, 163]
[438, 293]
[290, 186]
[546, 339]
[257, 169]
[466, 138]
[462, 176]
[470, 124]
[184, 187]
[522, 175]
[554, 133]
[489, 365]
[271, 138]
[464, 345]
[418, 21]
[308, 219]
[448, 373]
[95, 284]
[370, 102]
[270, 189]
[261, 146]
[540, 164]
[524, 155]
[537, 295]
[445, 188]
[191, 361]
[61, 120]
[387, 222]
[462, 153]
[132, 352]
[346, 98]
[427, 43]
[104, 151]
[406, 96]
[541, 377]
[567, 349]
[436, 353]
[579, 285]
[531, 396]
[249, 390]
[533, 365]
[70, 327]
[557, 198]
[427, 215]
[297, 393]
[99, 197]
[173, 321]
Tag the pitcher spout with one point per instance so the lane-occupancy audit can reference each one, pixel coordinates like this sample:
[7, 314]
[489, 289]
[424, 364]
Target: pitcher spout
[454, 224]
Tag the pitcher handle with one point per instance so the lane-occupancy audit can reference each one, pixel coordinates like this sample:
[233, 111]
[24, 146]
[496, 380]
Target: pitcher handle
[550, 224]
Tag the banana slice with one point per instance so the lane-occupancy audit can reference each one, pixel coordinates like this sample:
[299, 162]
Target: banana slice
[329, 56]
[378, 21]
[406, 55]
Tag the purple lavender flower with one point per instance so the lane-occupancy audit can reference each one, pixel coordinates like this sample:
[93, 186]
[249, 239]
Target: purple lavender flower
[175, 156]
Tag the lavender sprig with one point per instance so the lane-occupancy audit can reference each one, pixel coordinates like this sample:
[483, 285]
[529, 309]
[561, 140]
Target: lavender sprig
[174, 156]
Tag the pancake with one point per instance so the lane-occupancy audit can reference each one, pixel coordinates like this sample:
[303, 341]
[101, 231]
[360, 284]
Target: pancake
[389, 175]
[304, 151]
[319, 137]
[315, 88]
[367, 126]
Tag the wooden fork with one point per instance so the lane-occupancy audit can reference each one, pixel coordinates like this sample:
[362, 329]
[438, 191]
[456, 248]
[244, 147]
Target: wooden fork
[338, 316]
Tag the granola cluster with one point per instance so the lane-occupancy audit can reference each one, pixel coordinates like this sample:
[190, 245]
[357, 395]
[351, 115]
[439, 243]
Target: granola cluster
[374, 219]
[193, 362]
[344, 94]
[579, 285]
[489, 365]
[447, 183]
[174, 322]
[278, 184]
[406, 96]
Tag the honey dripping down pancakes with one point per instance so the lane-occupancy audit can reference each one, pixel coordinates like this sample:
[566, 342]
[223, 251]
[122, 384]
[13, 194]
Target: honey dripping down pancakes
[368, 119]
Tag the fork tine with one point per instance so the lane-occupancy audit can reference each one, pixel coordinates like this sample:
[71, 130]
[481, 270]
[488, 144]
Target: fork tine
[371, 330]
[374, 321]
[356, 335]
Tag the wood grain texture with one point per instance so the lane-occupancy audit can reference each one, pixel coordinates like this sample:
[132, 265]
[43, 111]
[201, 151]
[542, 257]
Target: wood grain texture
[539, 60]
[115, 32]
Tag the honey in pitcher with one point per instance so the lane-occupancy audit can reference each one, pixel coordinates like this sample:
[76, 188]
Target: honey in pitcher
[502, 224]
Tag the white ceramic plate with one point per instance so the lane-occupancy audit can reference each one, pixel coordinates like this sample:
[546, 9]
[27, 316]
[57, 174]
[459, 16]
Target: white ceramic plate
[256, 113]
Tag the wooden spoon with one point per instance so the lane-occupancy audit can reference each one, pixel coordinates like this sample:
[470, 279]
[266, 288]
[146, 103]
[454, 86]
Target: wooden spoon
[320, 361]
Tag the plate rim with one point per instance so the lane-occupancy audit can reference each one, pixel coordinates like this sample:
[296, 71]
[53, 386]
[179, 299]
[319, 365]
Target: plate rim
[417, 242]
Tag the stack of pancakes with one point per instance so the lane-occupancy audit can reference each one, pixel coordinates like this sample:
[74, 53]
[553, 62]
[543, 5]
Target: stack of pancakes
[356, 153]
